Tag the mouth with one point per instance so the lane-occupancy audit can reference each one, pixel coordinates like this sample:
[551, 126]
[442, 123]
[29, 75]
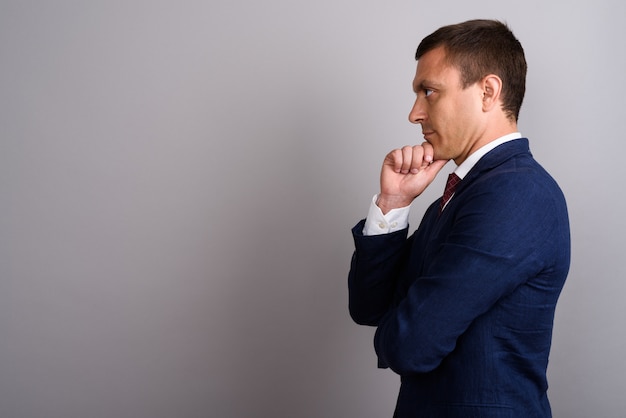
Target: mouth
[426, 134]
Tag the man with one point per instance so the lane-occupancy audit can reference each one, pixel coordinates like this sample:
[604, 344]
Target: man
[464, 307]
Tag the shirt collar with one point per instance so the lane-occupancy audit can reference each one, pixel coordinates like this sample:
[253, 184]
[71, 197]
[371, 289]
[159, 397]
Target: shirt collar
[470, 161]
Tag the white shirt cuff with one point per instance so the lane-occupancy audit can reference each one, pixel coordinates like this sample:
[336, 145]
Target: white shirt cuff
[376, 223]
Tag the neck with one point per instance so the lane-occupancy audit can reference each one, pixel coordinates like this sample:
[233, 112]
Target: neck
[490, 134]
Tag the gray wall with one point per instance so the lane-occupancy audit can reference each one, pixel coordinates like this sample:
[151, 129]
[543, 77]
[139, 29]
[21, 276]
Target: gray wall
[178, 181]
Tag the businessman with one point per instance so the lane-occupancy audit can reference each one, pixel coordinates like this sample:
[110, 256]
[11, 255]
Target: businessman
[464, 307]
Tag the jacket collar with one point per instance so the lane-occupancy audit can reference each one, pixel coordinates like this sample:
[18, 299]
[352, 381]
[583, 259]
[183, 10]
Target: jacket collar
[495, 157]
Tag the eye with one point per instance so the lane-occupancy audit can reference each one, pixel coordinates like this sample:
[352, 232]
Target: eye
[427, 92]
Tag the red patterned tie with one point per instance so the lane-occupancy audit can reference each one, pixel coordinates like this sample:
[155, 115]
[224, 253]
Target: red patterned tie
[453, 181]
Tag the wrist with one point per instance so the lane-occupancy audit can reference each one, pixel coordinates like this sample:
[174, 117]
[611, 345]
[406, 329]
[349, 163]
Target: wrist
[388, 202]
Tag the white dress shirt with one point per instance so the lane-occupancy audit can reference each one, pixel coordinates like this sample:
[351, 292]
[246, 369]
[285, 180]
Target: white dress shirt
[396, 219]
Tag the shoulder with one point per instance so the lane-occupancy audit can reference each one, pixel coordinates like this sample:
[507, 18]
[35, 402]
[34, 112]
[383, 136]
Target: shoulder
[510, 172]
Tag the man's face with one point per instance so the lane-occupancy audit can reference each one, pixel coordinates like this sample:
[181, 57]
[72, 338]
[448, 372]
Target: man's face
[450, 116]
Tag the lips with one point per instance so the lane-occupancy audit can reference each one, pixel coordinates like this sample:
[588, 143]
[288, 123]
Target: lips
[426, 134]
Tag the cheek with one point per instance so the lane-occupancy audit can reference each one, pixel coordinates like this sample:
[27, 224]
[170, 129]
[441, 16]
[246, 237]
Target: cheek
[449, 123]
[462, 118]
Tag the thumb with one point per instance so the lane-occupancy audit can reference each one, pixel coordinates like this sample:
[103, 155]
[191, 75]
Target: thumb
[435, 167]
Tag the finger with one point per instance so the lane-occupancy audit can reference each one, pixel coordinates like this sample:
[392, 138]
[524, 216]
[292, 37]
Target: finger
[417, 162]
[407, 159]
[394, 159]
[429, 152]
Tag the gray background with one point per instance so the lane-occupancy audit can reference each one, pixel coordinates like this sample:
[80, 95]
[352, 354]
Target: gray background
[178, 181]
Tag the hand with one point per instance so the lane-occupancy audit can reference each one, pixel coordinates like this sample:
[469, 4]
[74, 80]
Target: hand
[405, 175]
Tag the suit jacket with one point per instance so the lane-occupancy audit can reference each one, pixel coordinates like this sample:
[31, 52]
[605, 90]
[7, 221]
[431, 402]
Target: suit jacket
[464, 308]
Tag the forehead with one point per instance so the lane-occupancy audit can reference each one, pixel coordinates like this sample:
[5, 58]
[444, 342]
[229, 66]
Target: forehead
[432, 68]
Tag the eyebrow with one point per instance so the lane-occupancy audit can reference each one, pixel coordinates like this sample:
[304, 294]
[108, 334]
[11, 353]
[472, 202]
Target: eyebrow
[426, 84]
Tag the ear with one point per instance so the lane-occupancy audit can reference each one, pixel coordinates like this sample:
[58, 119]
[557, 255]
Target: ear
[491, 90]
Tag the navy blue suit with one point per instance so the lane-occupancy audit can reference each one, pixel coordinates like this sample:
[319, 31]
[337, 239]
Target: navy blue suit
[464, 307]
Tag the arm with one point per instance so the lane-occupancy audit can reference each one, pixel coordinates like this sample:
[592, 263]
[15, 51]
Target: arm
[373, 271]
[375, 264]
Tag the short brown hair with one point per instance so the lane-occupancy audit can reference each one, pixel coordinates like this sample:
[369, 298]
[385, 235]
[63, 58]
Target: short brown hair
[478, 48]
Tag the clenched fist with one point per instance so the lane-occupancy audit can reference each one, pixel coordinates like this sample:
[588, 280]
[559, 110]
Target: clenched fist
[405, 174]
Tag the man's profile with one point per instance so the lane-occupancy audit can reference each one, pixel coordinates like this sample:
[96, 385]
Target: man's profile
[464, 307]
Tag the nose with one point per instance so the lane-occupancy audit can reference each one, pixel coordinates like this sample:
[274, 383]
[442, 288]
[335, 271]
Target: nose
[417, 113]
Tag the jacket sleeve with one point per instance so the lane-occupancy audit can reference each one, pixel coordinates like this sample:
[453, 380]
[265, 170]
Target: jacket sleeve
[373, 273]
